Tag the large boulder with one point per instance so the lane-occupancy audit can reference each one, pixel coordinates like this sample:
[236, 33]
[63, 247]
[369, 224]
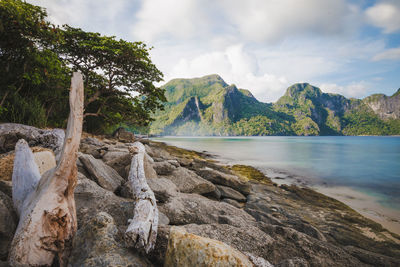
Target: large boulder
[119, 164]
[220, 178]
[227, 192]
[101, 173]
[8, 224]
[189, 182]
[10, 133]
[163, 167]
[194, 208]
[157, 152]
[90, 199]
[249, 239]
[189, 250]
[163, 189]
[97, 243]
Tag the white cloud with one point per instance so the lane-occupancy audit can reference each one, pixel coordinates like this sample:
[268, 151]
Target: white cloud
[385, 15]
[169, 18]
[250, 20]
[390, 54]
[261, 20]
[94, 15]
[356, 89]
[235, 65]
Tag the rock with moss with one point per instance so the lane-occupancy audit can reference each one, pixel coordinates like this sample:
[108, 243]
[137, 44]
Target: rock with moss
[186, 249]
[98, 243]
[224, 179]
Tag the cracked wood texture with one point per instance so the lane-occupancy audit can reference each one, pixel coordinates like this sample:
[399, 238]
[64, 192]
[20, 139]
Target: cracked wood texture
[47, 214]
[142, 229]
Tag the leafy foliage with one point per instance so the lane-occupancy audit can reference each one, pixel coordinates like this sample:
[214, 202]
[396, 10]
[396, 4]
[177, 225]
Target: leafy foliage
[37, 59]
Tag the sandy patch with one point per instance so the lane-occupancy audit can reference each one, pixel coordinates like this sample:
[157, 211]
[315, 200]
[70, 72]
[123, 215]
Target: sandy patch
[367, 206]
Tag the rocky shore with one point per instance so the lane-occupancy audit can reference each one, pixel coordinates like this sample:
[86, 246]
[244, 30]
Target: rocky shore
[209, 213]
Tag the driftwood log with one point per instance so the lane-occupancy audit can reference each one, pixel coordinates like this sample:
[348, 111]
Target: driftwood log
[142, 229]
[46, 205]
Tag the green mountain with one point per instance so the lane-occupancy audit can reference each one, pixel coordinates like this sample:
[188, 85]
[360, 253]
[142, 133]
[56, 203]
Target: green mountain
[209, 106]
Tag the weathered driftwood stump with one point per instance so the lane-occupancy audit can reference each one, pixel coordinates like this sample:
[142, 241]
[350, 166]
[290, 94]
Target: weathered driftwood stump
[142, 229]
[46, 205]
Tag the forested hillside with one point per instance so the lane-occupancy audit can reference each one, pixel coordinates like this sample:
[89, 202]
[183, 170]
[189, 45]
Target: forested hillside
[209, 106]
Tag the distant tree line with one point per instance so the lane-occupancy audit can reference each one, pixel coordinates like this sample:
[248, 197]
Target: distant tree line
[36, 62]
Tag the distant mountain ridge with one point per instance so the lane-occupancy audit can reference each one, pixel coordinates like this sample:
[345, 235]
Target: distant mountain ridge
[209, 106]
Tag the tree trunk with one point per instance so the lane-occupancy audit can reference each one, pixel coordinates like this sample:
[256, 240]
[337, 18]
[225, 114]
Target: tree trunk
[47, 214]
[142, 229]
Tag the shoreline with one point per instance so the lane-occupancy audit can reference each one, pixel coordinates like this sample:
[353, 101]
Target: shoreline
[366, 205]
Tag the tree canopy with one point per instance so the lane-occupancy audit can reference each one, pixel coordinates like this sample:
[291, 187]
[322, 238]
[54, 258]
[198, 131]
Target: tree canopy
[37, 59]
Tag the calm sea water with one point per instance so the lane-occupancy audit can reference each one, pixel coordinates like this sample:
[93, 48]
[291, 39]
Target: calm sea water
[367, 164]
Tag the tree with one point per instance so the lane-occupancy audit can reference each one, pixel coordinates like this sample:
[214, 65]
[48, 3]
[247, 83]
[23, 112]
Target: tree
[118, 75]
[32, 77]
[36, 61]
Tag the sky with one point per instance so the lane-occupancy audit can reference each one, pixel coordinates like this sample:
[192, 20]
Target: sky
[350, 47]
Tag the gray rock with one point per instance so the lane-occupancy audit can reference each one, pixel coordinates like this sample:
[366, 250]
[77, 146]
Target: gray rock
[101, 173]
[156, 152]
[80, 166]
[163, 168]
[290, 243]
[173, 162]
[114, 154]
[262, 209]
[248, 239]
[8, 224]
[214, 195]
[232, 202]
[220, 178]
[261, 216]
[97, 244]
[163, 189]
[372, 258]
[10, 133]
[227, 192]
[119, 164]
[193, 208]
[189, 182]
[93, 150]
[92, 141]
[162, 219]
[90, 199]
